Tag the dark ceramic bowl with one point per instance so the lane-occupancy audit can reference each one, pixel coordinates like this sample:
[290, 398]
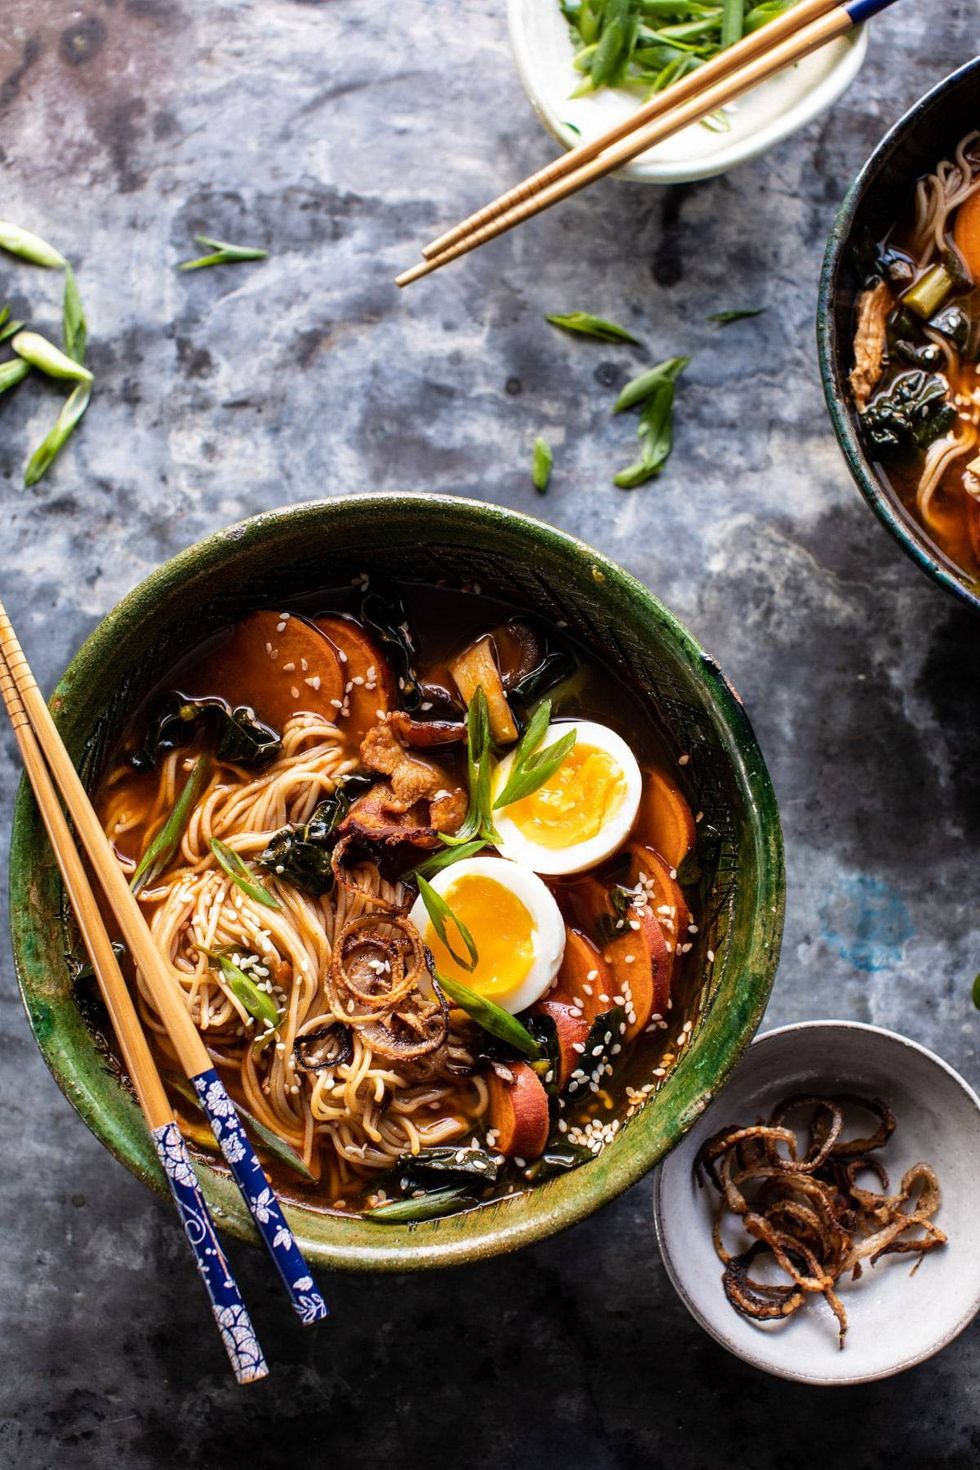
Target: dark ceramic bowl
[309, 546]
[882, 191]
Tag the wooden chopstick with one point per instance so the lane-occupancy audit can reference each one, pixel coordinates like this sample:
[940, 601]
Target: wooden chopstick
[680, 91]
[229, 1310]
[259, 1196]
[826, 26]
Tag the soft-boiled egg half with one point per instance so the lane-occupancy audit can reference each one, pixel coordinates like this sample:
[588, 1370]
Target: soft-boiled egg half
[515, 925]
[582, 813]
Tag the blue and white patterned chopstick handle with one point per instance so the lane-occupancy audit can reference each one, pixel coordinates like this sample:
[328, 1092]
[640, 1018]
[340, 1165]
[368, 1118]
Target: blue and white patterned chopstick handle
[259, 1196]
[234, 1323]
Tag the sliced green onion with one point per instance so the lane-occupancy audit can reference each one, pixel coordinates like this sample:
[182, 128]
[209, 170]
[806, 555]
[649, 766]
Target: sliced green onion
[639, 389]
[10, 330]
[41, 353]
[592, 326]
[491, 1017]
[724, 318]
[270, 1141]
[58, 435]
[161, 850]
[29, 247]
[258, 1003]
[222, 254]
[440, 914]
[732, 22]
[74, 330]
[929, 292]
[531, 767]
[478, 821]
[423, 1207]
[446, 858]
[541, 462]
[13, 372]
[241, 874]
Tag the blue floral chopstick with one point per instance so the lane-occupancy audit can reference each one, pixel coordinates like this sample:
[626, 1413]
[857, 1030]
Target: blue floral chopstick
[259, 1196]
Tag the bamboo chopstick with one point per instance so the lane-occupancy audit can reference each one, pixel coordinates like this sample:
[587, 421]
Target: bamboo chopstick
[663, 102]
[234, 1324]
[756, 67]
[259, 1196]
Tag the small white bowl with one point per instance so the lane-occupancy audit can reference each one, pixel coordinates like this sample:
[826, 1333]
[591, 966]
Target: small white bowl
[543, 51]
[895, 1319]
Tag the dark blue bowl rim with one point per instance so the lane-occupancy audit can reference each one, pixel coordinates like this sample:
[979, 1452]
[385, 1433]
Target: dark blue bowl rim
[910, 536]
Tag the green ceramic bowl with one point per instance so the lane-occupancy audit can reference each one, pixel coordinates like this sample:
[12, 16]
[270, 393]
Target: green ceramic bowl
[881, 192]
[308, 546]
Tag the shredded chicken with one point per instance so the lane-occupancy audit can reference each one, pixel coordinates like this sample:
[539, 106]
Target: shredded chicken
[870, 342]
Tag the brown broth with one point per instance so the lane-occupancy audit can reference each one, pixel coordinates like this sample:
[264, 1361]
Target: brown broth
[443, 622]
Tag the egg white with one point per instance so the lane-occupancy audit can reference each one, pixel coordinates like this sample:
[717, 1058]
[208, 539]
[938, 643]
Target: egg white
[548, 932]
[577, 856]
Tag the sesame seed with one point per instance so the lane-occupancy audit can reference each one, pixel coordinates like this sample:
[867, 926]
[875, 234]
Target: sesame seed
[682, 760]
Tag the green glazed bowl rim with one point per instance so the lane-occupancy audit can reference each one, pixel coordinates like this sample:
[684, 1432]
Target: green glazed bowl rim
[910, 536]
[721, 1036]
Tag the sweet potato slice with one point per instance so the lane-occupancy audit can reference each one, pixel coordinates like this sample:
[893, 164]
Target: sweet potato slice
[519, 1113]
[278, 663]
[666, 896]
[364, 668]
[641, 966]
[584, 975]
[476, 668]
[664, 821]
[571, 1029]
[966, 234]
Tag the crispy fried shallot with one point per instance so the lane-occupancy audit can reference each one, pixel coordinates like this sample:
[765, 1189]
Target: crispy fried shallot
[379, 979]
[804, 1208]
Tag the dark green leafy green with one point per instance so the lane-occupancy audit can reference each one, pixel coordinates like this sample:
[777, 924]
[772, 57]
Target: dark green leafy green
[424, 1207]
[164, 845]
[604, 1034]
[384, 613]
[913, 413]
[221, 254]
[440, 914]
[460, 1163]
[302, 853]
[541, 462]
[235, 734]
[739, 314]
[555, 668]
[532, 767]
[491, 1017]
[558, 1158]
[585, 325]
[74, 330]
[241, 874]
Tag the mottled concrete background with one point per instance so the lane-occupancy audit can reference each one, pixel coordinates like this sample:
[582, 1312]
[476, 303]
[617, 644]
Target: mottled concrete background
[341, 135]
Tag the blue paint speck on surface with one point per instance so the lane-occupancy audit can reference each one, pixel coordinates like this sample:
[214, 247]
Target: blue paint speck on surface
[867, 923]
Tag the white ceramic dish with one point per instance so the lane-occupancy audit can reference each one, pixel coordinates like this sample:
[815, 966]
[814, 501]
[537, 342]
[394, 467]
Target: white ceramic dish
[896, 1319]
[543, 52]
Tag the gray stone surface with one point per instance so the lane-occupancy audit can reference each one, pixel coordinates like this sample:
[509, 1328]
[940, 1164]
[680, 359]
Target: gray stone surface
[341, 135]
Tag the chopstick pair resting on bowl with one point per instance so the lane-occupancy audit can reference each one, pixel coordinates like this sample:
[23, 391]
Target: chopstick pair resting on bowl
[793, 35]
[48, 767]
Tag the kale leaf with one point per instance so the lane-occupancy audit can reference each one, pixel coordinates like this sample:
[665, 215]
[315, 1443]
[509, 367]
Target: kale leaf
[911, 415]
[235, 733]
[301, 853]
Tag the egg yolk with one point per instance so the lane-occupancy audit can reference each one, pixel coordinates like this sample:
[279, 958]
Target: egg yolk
[575, 803]
[501, 927]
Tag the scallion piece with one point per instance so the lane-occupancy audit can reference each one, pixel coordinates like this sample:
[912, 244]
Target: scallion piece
[161, 850]
[423, 1207]
[445, 859]
[585, 325]
[42, 354]
[541, 462]
[74, 330]
[29, 247]
[13, 372]
[929, 292]
[493, 1018]
[221, 254]
[241, 874]
[258, 1003]
[440, 914]
[531, 767]
[58, 435]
